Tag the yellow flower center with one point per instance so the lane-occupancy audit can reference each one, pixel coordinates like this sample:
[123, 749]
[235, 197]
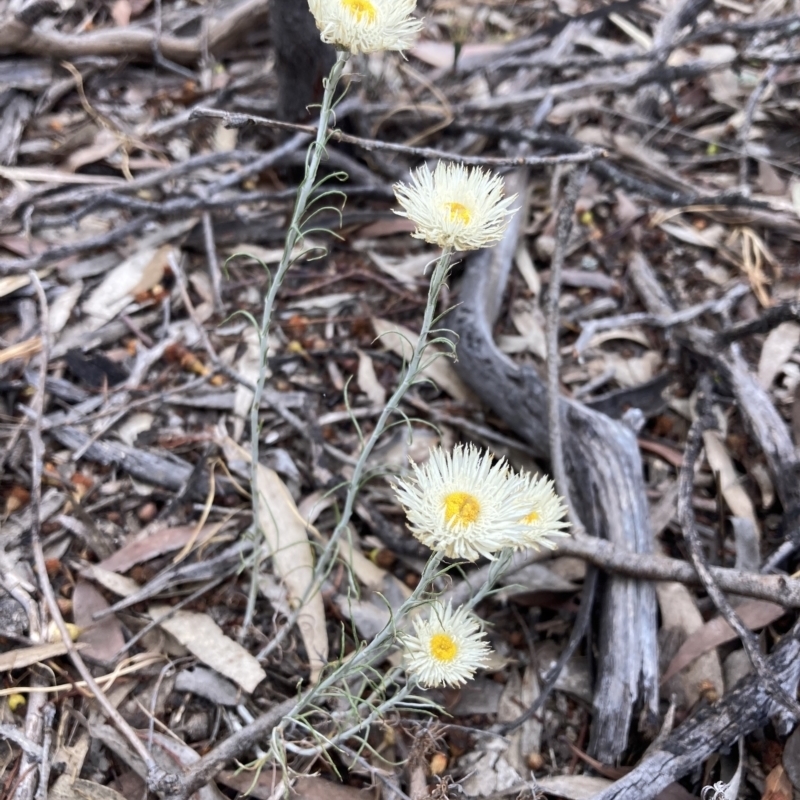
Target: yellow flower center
[443, 648]
[531, 518]
[362, 10]
[458, 212]
[461, 507]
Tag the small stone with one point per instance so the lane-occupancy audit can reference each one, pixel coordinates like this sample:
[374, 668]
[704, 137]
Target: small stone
[147, 512]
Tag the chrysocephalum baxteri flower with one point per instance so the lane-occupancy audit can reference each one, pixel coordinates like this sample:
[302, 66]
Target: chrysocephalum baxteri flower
[448, 647]
[455, 206]
[546, 510]
[366, 26]
[462, 505]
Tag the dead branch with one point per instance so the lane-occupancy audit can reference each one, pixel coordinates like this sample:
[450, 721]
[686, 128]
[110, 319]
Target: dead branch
[158, 780]
[604, 467]
[240, 120]
[744, 709]
[16, 36]
[694, 444]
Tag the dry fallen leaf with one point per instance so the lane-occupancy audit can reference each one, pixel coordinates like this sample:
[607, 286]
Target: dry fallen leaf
[368, 381]
[157, 543]
[202, 637]
[679, 610]
[138, 273]
[720, 461]
[778, 347]
[754, 614]
[777, 786]
[25, 656]
[103, 638]
[400, 340]
[286, 535]
[573, 787]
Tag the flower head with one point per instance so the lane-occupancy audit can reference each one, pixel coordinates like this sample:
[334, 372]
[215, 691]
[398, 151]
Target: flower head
[463, 506]
[455, 206]
[366, 26]
[546, 510]
[448, 647]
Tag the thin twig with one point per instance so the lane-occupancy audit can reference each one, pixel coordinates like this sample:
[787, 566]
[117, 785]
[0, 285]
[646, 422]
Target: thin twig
[705, 421]
[158, 780]
[213, 261]
[778, 589]
[578, 632]
[563, 230]
[744, 130]
[240, 120]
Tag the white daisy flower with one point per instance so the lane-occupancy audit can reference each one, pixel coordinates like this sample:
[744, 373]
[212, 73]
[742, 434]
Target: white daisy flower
[366, 26]
[461, 505]
[448, 648]
[455, 206]
[546, 510]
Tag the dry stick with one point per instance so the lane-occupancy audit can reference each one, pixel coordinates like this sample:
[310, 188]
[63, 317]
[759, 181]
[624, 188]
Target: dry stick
[213, 261]
[777, 589]
[563, 230]
[746, 707]
[17, 36]
[240, 120]
[767, 320]
[157, 779]
[688, 525]
[744, 131]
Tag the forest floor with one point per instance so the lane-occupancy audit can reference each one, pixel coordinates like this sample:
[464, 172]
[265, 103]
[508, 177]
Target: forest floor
[144, 197]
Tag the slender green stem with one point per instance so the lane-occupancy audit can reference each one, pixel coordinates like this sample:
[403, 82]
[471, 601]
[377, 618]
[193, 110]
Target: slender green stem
[410, 375]
[294, 236]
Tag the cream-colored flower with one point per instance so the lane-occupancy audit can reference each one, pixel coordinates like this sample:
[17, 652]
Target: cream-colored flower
[462, 505]
[448, 647]
[366, 26]
[546, 510]
[455, 206]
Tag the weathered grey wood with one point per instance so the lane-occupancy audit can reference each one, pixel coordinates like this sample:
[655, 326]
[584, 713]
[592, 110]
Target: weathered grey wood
[747, 707]
[168, 471]
[605, 471]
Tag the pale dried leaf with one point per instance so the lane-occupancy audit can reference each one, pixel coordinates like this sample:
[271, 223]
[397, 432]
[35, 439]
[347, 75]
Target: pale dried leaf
[61, 307]
[25, 656]
[526, 267]
[286, 535]
[519, 694]
[708, 237]
[248, 366]
[720, 461]
[406, 270]
[777, 786]
[778, 347]
[401, 340]
[156, 543]
[754, 614]
[138, 273]
[679, 610]
[573, 787]
[103, 638]
[105, 143]
[134, 424]
[10, 283]
[88, 790]
[118, 584]
[209, 684]
[121, 13]
[368, 381]
[202, 637]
